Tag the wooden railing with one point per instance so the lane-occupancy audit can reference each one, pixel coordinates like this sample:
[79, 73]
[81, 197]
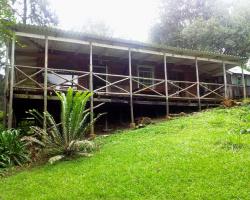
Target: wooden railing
[180, 89]
[113, 84]
[32, 78]
[155, 89]
[211, 90]
[235, 91]
[28, 77]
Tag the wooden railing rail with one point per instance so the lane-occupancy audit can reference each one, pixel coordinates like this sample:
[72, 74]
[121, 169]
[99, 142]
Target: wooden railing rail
[176, 88]
[211, 89]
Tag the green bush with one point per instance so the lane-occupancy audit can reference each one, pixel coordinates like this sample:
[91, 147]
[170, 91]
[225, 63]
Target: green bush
[1, 121]
[246, 101]
[1, 115]
[68, 137]
[12, 149]
[24, 126]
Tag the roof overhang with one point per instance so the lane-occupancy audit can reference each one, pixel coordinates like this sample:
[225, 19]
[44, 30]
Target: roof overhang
[121, 44]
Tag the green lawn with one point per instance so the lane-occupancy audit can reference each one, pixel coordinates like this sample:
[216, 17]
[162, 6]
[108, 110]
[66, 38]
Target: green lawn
[193, 157]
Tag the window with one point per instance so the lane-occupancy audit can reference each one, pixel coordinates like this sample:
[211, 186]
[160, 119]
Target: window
[239, 80]
[145, 72]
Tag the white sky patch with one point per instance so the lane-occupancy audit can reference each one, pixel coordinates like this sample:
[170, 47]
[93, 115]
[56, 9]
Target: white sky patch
[130, 19]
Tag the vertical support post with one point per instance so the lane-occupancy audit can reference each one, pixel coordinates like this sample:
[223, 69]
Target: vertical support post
[131, 89]
[198, 83]
[45, 84]
[6, 84]
[225, 79]
[92, 131]
[12, 63]
[243, 83]
[166, 84]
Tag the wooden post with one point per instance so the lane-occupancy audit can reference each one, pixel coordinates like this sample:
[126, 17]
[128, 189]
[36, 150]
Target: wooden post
[198, 83]
[12, 63]
[243, 83]
[92, 131]
[166, 84]
[6, 82]
[225, 79]
[131, 90]
[45, 85]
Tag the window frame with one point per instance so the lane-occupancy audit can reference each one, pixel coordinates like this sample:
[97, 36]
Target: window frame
[152, 68]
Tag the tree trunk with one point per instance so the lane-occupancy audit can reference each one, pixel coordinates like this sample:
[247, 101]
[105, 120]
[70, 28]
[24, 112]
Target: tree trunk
[24, 11]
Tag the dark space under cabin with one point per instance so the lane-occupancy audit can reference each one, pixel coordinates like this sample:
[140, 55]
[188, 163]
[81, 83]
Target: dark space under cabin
[129, 79]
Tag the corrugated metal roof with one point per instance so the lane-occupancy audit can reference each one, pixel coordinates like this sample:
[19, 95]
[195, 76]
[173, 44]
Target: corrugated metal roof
[237, 70]
[51, 31]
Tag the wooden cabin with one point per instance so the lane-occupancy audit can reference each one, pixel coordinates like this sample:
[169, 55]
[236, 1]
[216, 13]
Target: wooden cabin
[44, 60]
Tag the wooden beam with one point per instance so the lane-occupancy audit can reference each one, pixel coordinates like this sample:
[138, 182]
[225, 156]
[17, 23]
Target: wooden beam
[40, 47]
[126, 48]
[225, 79]
[92, 131]
[243, 83]
[6, 84]
[45, 103]
[198, 83]
[12, 62]
[131, 88]
[166, 84]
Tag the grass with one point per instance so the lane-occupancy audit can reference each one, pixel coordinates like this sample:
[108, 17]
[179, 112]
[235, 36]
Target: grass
[1, 121]
[193, 157]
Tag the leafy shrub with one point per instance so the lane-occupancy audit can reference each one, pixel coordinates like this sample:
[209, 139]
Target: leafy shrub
[1, 121]
[12, 149]
[68, 137]
[24, 126]
[246, 101]
[1, 115]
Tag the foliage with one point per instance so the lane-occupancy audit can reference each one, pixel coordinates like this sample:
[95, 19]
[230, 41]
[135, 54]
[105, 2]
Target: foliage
[1, 115]
[176, 159]
[24, 126]
[12, 149]
[68, 137]
[6, 20]
[246, 101]
[1, 121]
[37, 12]
[220, 26]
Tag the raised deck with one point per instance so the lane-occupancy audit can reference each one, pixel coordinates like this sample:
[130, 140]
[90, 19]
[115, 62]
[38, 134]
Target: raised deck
[116, 71]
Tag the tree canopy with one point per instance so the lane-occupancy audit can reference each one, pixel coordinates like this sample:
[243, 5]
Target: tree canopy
[36, 12]
[6, 19]
[210, 25]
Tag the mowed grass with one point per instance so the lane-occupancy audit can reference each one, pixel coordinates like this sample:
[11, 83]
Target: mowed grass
[193, 157]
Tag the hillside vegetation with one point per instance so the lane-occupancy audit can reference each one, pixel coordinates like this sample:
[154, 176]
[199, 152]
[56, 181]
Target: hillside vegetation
[202, 156]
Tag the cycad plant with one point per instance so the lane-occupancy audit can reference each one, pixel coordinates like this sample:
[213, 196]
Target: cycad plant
[68, 137]
[12, 149]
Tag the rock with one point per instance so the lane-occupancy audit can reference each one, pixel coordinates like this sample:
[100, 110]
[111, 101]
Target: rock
[85, 154]
[140, 126]
[168, 117]
[85, 145]
[132, 125]
[54, 159]
[182, 114]
[144, 120]
[228, 103]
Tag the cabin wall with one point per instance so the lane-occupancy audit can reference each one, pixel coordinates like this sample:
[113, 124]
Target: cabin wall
[80, 62]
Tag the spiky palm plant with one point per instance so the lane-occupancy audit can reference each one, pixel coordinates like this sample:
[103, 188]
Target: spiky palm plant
[12, 149]
[65, 138]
